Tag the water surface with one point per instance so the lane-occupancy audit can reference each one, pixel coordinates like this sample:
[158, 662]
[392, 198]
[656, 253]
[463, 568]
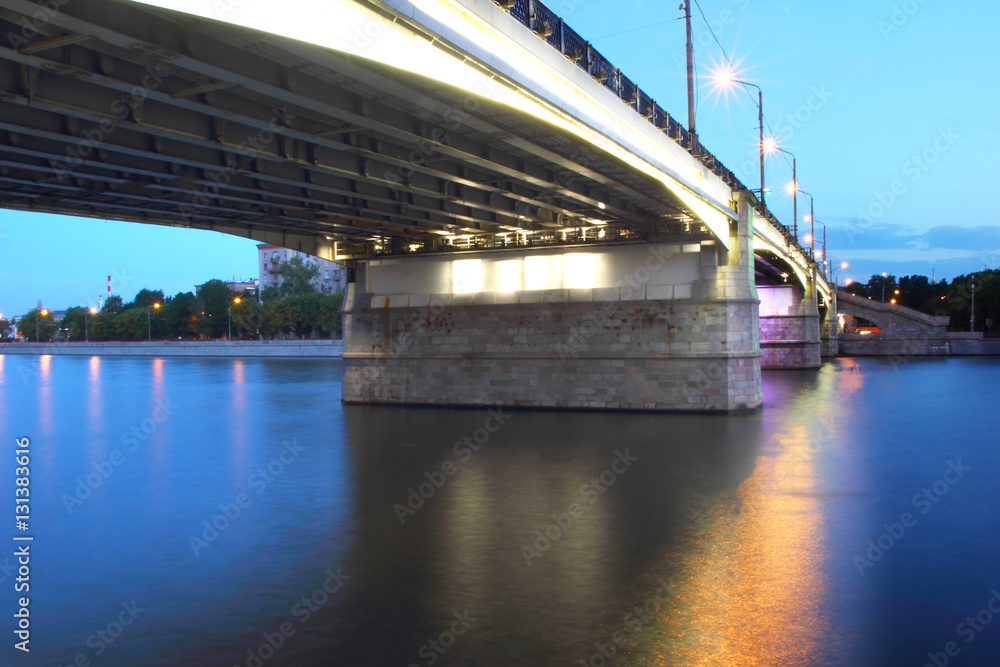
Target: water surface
[545, 538]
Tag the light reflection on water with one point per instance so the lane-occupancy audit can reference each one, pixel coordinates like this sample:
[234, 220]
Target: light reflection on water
[753, 519]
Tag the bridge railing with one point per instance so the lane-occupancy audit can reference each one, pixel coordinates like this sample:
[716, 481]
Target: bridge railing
[545, 23]
[609, 233]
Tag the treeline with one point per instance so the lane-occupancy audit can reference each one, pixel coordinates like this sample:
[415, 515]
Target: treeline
[953, 299]
[294, 309]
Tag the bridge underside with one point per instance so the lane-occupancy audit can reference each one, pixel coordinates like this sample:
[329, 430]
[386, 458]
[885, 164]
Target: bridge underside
[116, 110]
[660, 327]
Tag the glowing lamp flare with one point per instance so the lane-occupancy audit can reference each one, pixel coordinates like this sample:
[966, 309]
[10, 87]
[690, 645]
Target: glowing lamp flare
[724, 78]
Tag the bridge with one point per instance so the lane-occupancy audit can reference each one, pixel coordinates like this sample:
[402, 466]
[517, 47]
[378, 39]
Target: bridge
[522, 223]
[891, 329]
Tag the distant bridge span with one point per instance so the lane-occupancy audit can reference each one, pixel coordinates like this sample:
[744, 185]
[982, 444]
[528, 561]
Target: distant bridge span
[374, 131]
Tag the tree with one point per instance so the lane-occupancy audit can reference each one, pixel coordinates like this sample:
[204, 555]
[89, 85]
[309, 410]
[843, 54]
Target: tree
[295, 277]
[305, 310]
[214, 298]
[6, 329]
[330, 320]
[113, 305]
[102, 326]
[270, 295]
[959, 298]
[248, 315]
[75, 322]
[878, 286]
[26, 325]
[180, 315]
[131, 324]
[147, 297]
[277, 318]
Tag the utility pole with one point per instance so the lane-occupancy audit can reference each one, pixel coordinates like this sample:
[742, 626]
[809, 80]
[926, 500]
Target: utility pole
[972, 308]
[795, 202]
[825, 258]
[692, 133]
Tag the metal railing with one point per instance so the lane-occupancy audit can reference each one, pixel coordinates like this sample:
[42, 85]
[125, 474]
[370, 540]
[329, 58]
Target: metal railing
[541, 20]
[609, 233]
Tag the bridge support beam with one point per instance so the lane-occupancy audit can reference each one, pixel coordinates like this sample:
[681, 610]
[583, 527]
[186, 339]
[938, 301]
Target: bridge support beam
[662, 327]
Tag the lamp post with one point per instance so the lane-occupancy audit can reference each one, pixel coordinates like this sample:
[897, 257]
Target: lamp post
[236, 300]
[41, 314]
[793, 188]
[883, 286]
[86, 316]
[724, 78]
[149, 321]
[972, 307]
[827, 267]
[824, 253]
[812, 226]
[692, 132]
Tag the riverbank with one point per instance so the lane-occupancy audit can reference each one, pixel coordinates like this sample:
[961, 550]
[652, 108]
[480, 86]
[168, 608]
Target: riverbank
[945, 344]
[207, 348]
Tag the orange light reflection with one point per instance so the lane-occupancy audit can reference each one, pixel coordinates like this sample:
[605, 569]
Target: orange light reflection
[751, 592]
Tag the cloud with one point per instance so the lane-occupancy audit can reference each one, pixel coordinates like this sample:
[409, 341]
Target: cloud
[854, 238]
[948, 250]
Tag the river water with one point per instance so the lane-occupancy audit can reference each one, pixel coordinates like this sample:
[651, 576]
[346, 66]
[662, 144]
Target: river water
[234, 512]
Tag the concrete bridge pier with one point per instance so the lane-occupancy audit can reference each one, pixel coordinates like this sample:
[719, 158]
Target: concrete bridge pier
[830, 329]
[669, 326]
[790, 325]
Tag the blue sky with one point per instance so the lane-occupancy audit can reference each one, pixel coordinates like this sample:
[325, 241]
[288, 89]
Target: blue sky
[889, 107]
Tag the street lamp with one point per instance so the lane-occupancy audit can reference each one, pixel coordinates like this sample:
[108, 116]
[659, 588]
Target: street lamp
[972, 307]
[724, 78]
[793, 188]
[149, 321]
[883, 287]
[41, 314]
[86, 316]
[824, 251]
[812, 226]
[236, 300]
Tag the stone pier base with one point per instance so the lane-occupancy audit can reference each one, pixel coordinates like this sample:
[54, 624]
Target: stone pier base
[789, 328]
[620, 355]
